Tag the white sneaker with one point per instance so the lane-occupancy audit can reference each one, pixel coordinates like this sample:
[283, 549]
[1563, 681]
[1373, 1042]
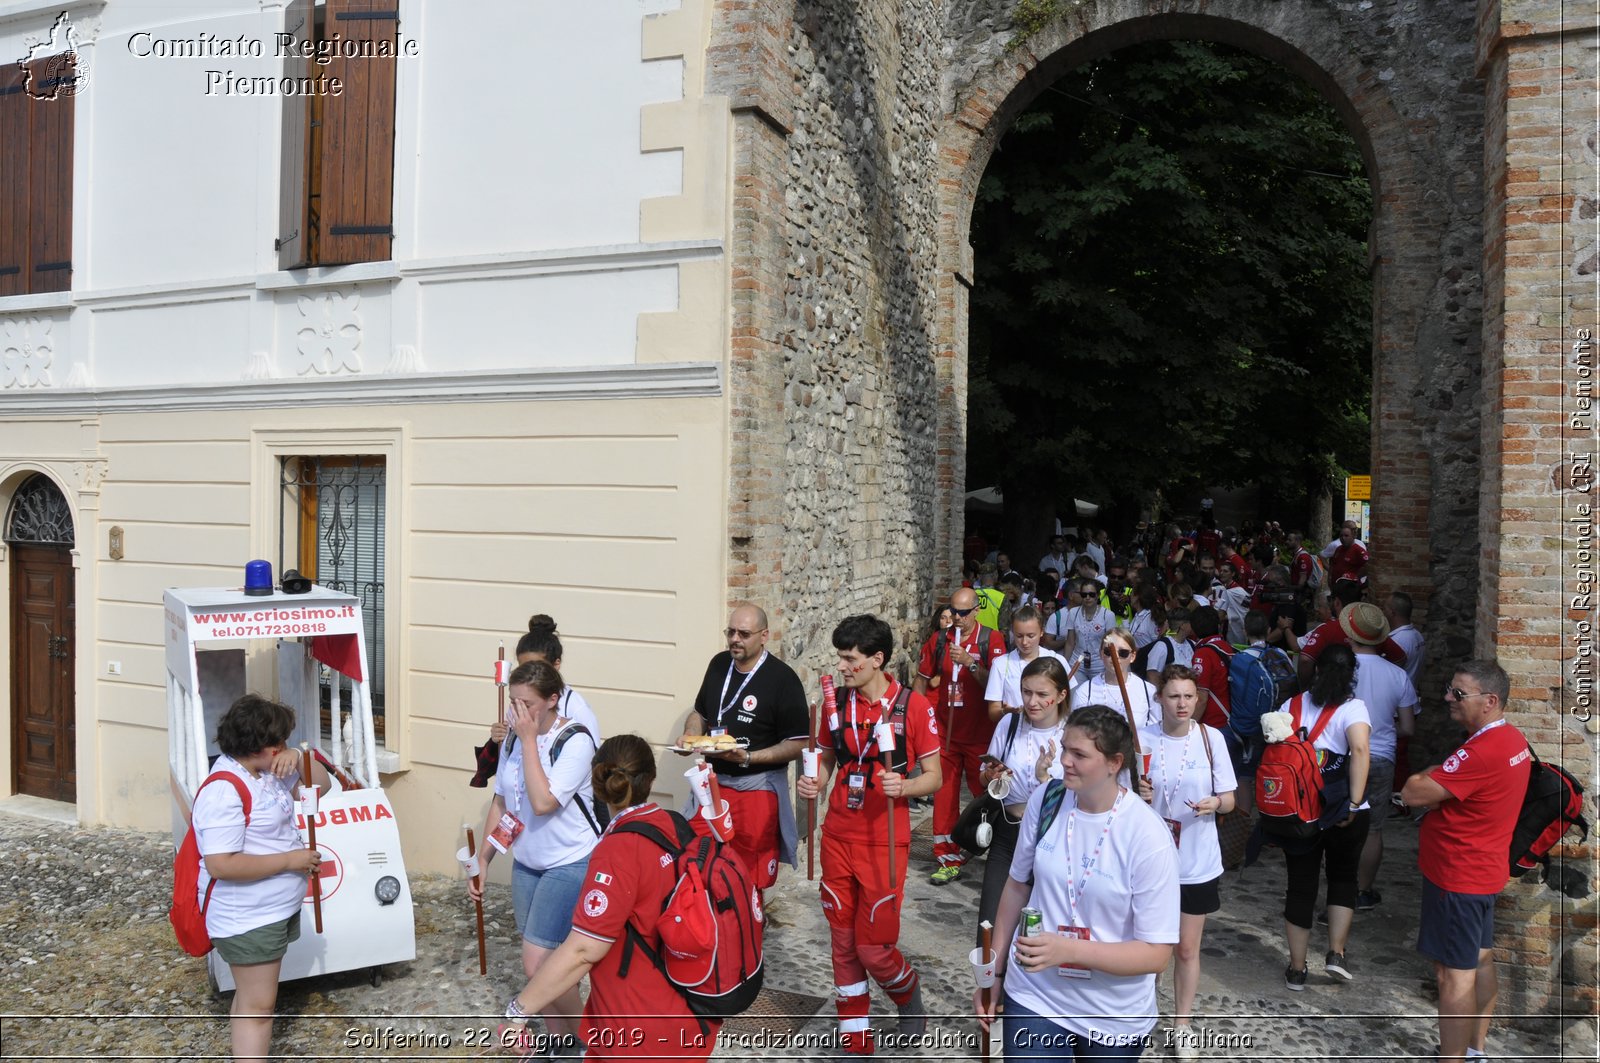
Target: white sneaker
[1185, 1043]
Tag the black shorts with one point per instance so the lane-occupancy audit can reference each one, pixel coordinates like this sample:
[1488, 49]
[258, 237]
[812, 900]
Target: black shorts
[1243, 753]
[1455, 927]
[1201, 898]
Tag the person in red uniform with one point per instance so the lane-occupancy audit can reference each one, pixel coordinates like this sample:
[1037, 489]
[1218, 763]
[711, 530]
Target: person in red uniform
[635, 1014]
[1329, 633]
[750, 694]
[1473, 799]
[1349, 560]
[956, 681]
[1210, 666]
[862, 908]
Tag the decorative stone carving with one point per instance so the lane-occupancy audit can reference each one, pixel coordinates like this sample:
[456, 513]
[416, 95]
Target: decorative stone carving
[91, 474]
[26, 351]
[329, 339]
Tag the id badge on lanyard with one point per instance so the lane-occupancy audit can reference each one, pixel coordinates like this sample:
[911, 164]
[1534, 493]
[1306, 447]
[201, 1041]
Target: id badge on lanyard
[1073, 970]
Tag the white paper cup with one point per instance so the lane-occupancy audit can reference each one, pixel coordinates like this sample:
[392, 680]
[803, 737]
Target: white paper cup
[308, 800]
[721, 822]
[699, 778]
[1000, 786]
[469, 863]
[982, 970]
[811, 762]
[885, 734]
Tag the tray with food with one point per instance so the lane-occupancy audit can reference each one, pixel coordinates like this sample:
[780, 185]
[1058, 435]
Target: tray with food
[709, 744]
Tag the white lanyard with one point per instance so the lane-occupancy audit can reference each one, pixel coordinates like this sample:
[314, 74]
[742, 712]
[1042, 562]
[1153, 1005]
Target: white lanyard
[631, 810]
[955, 669]
[1491, 725]
[1074, 892]
[723, 704]
[1172, 790]
[861, 754]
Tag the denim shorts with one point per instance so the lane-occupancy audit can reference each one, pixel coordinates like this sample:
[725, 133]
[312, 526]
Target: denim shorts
[542, 901]
[1027, 1035]
[1455, 926]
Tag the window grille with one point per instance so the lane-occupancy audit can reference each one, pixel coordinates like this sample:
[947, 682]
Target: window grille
[39, 514]
[331, 528]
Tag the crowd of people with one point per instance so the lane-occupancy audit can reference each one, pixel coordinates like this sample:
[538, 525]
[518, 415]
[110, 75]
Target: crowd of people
[1107, 709]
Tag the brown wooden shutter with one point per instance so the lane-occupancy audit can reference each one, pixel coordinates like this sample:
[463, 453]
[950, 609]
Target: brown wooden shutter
[292, 240]
[357, 180]
[50, 103]
[14, 270]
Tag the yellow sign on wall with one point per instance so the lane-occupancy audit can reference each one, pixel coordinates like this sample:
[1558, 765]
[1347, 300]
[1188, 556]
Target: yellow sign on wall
[1358, 488]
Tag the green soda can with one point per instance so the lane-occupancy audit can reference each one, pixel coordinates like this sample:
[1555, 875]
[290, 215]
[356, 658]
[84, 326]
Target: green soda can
[1032, 922]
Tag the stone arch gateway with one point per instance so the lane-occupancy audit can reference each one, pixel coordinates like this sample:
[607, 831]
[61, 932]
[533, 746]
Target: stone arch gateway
[1426, 227]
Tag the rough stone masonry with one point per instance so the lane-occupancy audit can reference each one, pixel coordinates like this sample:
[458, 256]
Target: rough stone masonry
[862, 128]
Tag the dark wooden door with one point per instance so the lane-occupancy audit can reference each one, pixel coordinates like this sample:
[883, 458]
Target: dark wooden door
[43, 723]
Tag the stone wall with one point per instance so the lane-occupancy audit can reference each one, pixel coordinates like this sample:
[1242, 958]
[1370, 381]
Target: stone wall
[1539, 441]
[834, 272]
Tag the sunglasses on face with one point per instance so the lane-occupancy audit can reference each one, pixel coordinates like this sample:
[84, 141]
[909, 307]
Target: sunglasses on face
[963, 612]
[1461, 695]
[1125, 654]
[730, 632]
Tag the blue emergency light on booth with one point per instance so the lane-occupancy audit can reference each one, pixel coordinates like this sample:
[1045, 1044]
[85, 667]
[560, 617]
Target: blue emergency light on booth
[258, 578]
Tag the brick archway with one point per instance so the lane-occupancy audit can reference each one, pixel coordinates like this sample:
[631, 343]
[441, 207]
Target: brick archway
[1425, 240]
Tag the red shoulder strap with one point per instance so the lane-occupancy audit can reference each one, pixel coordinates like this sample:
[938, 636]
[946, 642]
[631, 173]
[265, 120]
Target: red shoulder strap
[244, 799]
[1322, 721]
[238, 785]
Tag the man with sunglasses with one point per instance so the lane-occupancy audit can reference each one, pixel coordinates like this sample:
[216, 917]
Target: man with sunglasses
[1473, 799]
[958, 699]
[750, 694]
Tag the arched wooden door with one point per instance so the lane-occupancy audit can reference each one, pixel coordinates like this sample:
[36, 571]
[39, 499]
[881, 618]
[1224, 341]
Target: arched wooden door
[43, 721]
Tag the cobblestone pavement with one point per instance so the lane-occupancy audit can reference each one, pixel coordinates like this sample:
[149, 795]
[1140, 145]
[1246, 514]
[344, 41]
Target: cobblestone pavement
[88, 968]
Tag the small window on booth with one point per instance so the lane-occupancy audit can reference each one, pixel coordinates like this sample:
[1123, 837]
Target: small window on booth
[333, 511]
[337, 182]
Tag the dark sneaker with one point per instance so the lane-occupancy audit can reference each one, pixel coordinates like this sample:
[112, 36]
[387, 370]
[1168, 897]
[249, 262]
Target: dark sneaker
[1366, 900]
[1295, 980]
[1335, 965]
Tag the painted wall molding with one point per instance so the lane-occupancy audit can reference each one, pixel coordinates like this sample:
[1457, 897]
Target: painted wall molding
[676, 380]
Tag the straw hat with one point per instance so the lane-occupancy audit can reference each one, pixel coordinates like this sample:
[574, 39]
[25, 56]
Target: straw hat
[1364, 623]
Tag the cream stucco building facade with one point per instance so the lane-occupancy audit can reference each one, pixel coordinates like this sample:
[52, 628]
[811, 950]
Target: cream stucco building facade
[533, 368]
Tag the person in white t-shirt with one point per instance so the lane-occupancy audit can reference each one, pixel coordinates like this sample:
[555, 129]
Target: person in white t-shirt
[1084, 626]
[1150, 620]
[1003, 692]
[1339, 843]
[258, 862]
[1024, 754]
[543, 814]
[1391, 703]
[1177, 648]
[541, 642]
[1103, 689]
[1189, 783]
[1104, 875]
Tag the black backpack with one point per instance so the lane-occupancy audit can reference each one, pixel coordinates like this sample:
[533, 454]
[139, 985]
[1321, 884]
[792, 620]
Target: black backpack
[1552, 805]
[598, 816]
[1141, 660]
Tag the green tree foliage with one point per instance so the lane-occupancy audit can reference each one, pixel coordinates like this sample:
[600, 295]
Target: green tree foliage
[1172, 286]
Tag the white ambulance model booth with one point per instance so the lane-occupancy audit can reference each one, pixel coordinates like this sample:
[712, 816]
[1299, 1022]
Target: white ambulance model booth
[366, 898]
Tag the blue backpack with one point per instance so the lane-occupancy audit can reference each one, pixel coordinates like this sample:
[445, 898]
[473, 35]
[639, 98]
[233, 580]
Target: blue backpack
[1260, 679]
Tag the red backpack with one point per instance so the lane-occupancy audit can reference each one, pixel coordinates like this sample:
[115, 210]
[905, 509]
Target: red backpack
[711, 924]
[188, 914]
[1289, 779]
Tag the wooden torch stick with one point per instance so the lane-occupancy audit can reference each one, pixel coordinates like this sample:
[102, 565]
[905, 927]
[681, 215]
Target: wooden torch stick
[1127, 705]
[311, 834]
[477, 880]
[986, 931]
[811, 808]
[500, 689]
